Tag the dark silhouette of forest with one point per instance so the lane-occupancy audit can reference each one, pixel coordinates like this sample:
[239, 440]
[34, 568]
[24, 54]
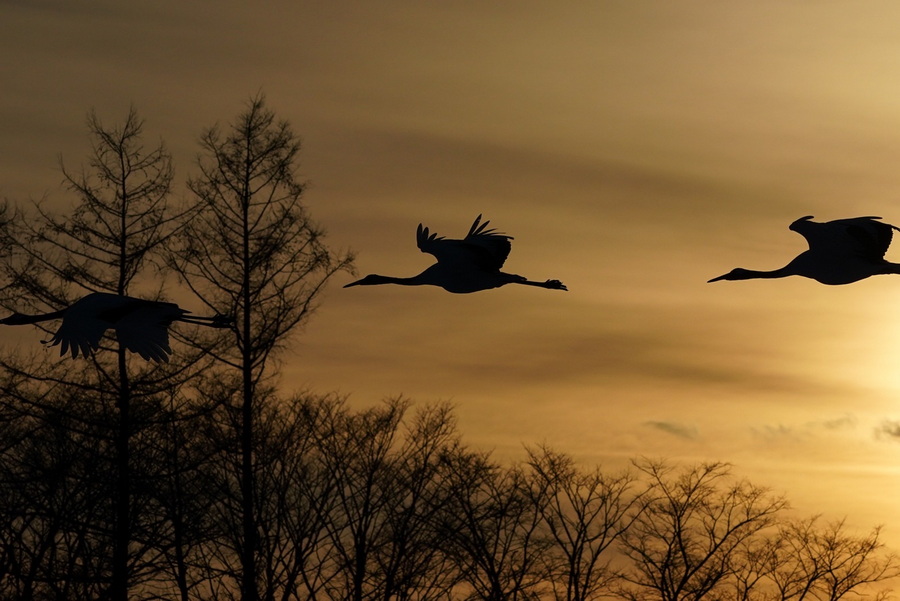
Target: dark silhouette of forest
[200, 479]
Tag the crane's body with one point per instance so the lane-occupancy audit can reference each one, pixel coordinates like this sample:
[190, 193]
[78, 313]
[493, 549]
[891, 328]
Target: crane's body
[463, 266]
[141, 325]
[840, 252]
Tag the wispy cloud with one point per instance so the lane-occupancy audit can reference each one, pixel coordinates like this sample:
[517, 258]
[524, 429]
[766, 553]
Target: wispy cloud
[805, 431]
[685, 431]
[779, 432]
[839, 423]
[889, 429]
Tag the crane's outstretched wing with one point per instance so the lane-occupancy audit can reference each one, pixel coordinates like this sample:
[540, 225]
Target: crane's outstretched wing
[482, 248]
[145, 330]
[78, 334]
[858, 236]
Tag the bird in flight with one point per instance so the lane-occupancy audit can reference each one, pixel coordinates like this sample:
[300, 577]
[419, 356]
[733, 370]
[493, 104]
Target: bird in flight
[466, 265]
[142, 326]
[840, 252]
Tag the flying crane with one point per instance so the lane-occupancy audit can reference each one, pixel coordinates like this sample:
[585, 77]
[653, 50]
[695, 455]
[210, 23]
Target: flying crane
[463, 266]
[142, 326]
[840, 252]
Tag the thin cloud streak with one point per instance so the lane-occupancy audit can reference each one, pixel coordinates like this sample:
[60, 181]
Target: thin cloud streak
[675, 429]
[889, 429]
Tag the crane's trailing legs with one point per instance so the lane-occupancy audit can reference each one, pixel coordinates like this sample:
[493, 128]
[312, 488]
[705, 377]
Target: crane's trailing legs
[551, 284]
[216, 321]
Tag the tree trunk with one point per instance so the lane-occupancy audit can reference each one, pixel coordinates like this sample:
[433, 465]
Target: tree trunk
[122, 531]
[248, 553]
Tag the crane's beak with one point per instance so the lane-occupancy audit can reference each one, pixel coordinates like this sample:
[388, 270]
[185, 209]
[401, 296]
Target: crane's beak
[356, 283]
[721, 277]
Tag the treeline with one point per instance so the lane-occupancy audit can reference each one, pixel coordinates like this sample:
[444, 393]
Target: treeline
[198, 479]
[387, 503]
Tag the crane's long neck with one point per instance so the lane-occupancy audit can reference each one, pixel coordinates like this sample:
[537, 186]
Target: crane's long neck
[18, 319]
[375, 280]
[411, 281]
[752, 274]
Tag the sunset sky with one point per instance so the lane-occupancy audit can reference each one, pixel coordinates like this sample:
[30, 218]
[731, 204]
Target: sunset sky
[633, 149]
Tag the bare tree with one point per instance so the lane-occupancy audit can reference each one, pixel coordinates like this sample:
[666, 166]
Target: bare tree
[852, 561]
[585, 513]
[358, 449]
[491, 529]
[390, 489]
[683, 544]
[118, 224]
[7, 216]
[295, 496]
[753, 563]
[809, 560]
[54, 491]
[251, 249]
[177, 453]
[410, 558]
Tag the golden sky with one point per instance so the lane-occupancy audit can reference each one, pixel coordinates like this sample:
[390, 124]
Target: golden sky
[633, 149]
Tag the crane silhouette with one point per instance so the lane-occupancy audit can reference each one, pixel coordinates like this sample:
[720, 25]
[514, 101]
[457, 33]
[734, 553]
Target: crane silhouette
[463, 266]
[142, 326]
[840, 252]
